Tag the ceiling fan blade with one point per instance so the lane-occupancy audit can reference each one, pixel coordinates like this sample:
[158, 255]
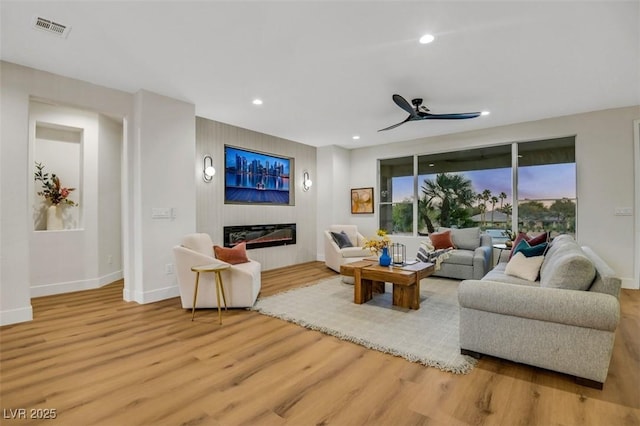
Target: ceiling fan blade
[454, 116]
[402, 103]
[410, 118]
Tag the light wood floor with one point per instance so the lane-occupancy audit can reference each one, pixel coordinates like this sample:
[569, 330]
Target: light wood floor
[97, 360]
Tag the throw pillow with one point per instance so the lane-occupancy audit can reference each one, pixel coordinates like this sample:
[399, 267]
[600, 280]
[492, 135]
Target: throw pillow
[520, 237]
[539, 239]
[235, 255]
[441, 240]
[524, 267]
[341, 239]
[528, 250]
[533, 241]
[425, 251]
[422, 255]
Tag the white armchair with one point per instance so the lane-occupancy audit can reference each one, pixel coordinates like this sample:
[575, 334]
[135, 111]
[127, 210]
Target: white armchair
[241, 281]
[334, 256]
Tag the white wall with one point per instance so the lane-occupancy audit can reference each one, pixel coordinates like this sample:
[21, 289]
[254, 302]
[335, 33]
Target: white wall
[16, 173]
[213, 214]
[604, 157]
[158, 170]
[335, 203]
[161, 176]
[69, 260]
[110, 199]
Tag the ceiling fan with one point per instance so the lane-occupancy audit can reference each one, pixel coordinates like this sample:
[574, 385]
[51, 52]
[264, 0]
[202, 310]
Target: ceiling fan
[422, 113]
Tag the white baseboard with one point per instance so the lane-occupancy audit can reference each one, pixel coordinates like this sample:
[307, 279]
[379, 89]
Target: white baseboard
[16, 315]
[71, 286]
[152, 296]
[630, 283]
[109, 278]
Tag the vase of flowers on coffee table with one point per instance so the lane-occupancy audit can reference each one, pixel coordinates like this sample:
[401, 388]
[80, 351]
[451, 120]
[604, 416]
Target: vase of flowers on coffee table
[380, 246]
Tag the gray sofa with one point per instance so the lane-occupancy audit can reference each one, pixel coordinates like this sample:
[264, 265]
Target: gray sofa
[471, 259]
[565, 321]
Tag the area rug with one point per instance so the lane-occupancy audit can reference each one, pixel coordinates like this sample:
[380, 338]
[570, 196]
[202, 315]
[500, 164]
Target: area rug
[428, 335]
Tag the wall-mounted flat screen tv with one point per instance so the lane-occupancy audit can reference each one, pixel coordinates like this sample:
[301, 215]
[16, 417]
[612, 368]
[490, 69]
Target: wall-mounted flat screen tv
[252, 177]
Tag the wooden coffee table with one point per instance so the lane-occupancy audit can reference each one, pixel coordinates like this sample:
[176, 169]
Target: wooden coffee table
[369, 277]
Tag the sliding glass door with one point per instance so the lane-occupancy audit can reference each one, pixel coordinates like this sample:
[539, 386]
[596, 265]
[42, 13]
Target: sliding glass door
[477, 187]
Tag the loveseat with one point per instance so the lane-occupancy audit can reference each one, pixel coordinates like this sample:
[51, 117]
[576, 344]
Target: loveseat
[471, 257]
[564, 320]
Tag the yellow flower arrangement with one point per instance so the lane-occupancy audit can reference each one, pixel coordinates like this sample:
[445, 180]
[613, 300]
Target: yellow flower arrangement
[376, 245]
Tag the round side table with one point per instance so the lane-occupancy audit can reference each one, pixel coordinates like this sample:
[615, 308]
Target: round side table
[215, 268]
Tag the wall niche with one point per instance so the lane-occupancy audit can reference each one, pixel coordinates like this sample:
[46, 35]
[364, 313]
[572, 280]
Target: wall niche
[83, 148]
[58, 150]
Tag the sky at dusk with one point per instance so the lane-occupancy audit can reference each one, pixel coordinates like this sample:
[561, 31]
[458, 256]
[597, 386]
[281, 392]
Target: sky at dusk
[550, 181]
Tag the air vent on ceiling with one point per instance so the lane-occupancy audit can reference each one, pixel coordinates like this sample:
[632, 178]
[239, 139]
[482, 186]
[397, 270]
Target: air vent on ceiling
[51, 27]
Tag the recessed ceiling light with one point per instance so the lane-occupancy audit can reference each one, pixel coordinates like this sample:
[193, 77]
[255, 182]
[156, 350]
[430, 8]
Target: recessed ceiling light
[257, 101]
[355, 138]
[426, 39]
[485, 113]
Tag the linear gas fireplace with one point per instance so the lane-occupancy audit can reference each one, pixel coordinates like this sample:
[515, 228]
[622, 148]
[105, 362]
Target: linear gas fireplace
[257, 236]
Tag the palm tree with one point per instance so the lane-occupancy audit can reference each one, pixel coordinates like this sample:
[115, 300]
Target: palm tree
[425, 207]
[479, 199]
[502, 197]
[451, 193]
[482, 213]
[486, 195]
[494, 201]
[507, 209]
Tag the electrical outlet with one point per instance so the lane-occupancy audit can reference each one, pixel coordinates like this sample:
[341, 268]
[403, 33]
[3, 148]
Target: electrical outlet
[168, 268]
[110, 259]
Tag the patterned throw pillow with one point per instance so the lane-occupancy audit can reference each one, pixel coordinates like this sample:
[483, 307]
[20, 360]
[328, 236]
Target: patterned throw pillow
[235, 255]
[422, 255]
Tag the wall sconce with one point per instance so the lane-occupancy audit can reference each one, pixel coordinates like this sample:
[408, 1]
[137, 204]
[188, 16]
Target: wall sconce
[207, 168]
[306, 181]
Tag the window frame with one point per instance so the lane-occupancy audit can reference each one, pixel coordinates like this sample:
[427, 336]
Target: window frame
[514, 166]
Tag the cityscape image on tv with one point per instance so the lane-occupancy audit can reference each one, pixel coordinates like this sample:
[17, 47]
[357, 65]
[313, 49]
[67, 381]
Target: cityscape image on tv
[253, 177]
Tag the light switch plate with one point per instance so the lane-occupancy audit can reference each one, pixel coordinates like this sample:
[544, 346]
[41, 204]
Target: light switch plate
[161, 213]
[623, 211]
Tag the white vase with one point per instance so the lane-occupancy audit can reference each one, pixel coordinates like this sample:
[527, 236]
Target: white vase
[54, 218]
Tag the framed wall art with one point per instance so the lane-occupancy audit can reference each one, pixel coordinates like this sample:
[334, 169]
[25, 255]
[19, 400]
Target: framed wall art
[361, 200]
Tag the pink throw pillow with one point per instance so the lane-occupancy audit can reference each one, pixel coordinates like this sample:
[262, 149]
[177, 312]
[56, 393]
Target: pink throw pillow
[235, 255]
[441, 240]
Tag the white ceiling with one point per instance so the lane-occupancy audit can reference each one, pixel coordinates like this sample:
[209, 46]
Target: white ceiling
[326, 70]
